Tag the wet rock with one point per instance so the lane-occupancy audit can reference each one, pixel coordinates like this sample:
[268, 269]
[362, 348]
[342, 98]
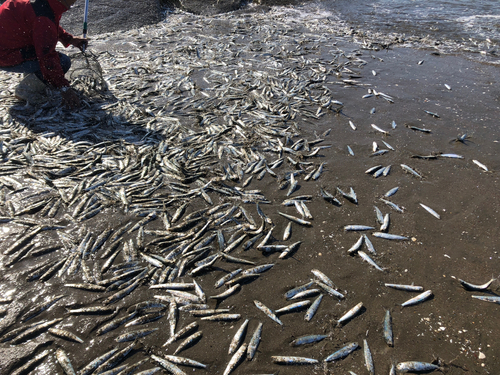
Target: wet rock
[223, 6]
[111, 15]
[114, 15]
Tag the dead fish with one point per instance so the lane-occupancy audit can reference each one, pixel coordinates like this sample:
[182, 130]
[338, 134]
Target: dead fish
[431, 113]
[266, 310]
[295, 219]
[167, 365]
[385, 132]
[65, 334]
[368, 358]
[411, 171]
[430, 210]
[64, 362]
[184, 361]
[308, 339]
[480, 165]
[254, 342]
[311, 311]
[189, 341]
[239, 336]
[409, 288]
[182, 332]
[133, 335]
[292, 307]
[388, 335]
[350, 314]
[420, 298]
[470, 286]
[236, 359]
[369, 260]
[293, 360]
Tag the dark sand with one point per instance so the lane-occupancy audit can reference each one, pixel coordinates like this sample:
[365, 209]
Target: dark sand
[462, 332]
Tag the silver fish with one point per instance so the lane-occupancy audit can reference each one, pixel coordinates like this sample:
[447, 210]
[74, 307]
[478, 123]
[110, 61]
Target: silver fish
[133, 335]
[293, 360]
[182, 332]
[308, 339]
[239, 336]
[414, 366]
[321, 276]
[235, 359]
[343, 352]
[266, 310]
[408, 288]
[288, 231]
[167, 365]
[295, 219]
[329, 290]
[420, 298]
[385, 132]
[298, 289]
[430, 210]
[389, 236]
[350, 314]
[392, 205]
[369, 245]
[184, 361]
[357, 227]
[470, 286]
[65, 362]
[411, 171]
[388, 336]
[311, 311]
[391, 192]
[189, 341]
[292, 307]
[254, 342]
[369, 260]
[493, 299]
[368, 358]
[65, 334]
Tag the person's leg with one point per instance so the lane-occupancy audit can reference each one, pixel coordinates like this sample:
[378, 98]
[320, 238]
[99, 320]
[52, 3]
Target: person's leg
[32, 66]
[65, 62]
[33, 86]
[26, 67]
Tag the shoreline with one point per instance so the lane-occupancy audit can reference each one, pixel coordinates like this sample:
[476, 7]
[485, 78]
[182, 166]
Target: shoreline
[239, 51]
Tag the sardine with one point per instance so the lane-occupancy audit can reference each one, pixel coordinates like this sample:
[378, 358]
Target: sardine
[343, 352]
[350, 314]
[266, 310]
[420, 298]
[388, 336]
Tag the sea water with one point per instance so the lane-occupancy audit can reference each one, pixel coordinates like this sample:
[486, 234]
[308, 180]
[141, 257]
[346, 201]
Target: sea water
[468, 23]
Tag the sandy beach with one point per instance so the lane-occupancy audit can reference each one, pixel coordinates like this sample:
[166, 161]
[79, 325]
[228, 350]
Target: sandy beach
[422, 100]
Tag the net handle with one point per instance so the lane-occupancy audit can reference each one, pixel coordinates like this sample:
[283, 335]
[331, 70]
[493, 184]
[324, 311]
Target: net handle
[85, 18]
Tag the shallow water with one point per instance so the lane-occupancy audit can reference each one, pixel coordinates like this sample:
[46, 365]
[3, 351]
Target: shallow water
[441, 19]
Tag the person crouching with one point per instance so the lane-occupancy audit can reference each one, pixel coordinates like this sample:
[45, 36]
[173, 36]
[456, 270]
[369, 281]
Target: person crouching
[29, 32]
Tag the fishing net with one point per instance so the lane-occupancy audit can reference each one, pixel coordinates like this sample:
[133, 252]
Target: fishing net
[86, 74]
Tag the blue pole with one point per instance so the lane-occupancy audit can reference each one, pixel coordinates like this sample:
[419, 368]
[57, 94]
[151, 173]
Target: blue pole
[85, 17]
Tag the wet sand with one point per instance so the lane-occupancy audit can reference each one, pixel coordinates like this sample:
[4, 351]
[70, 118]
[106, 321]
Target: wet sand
[459, 330]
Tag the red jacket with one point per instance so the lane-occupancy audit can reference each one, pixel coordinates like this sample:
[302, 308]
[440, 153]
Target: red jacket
[26, 36]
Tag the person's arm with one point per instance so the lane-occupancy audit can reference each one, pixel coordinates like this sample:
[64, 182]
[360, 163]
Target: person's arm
[67, 39]
[45, 37]
[64, 37]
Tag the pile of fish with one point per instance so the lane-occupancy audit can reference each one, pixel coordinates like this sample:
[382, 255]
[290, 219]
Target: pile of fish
[134, 200]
